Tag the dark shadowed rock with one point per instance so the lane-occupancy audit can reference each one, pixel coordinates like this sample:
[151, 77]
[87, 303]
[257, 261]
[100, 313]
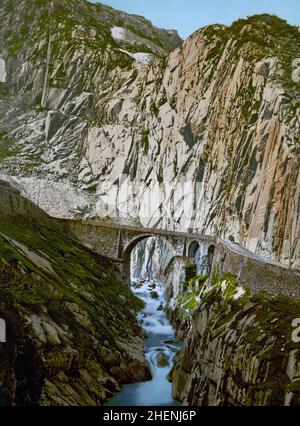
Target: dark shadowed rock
[162, 360]
[154, 294]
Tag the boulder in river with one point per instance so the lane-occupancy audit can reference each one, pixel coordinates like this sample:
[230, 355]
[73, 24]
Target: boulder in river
[138, 284]
[162, 360]
[154, 294]
[172, 341]
[152, 286]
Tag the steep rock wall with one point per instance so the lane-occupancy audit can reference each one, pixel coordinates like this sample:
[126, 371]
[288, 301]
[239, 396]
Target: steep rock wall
[238, 347]
[72, 334]
[222, 111]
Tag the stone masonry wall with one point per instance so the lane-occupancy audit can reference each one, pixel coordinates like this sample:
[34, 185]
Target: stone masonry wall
[256, 274]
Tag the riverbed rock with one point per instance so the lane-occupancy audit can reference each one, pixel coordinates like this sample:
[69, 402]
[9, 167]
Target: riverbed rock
[154, 294]
[172, 341]
[162, 360]
[137, 284]
[152, 286]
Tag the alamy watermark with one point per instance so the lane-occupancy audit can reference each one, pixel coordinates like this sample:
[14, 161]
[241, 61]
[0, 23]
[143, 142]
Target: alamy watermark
[2, 331]
[296, 70]
[296, 331]
[151, 200]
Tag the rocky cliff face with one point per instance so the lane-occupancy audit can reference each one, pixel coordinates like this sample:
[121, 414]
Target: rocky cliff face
[238, 348]
[72, 333]
[239, 344]
[94, 93]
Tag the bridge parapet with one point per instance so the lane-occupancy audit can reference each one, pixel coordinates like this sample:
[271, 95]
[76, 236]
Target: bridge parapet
[255, 272]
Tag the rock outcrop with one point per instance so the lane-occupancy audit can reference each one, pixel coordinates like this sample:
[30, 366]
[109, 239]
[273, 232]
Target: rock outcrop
[94, 93]
[72, 333]
[238, 348]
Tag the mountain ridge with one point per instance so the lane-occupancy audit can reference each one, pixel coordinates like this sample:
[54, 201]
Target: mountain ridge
[221, 110]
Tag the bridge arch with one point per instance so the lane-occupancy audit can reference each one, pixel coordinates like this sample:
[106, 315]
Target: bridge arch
[133, 243]
[192, 249]
[210, 257]
[168, 244]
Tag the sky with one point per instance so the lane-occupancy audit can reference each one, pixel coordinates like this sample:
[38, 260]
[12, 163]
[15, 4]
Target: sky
[187, 16]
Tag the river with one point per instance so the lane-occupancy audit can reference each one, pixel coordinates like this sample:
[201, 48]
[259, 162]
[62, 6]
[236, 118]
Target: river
[160, 345]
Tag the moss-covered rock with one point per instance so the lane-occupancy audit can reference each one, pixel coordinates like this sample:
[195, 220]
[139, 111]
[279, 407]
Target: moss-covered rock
[239, 348]
[71, 324]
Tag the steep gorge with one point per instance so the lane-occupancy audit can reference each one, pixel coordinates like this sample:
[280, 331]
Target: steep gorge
[238, 345]
[94, 94]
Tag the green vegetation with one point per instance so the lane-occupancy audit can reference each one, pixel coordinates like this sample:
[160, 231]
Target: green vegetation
[188, 297]
[68, 316]
[154, 109]
[77, 273]
[119, 60]
[135, 221]
[5, 147]
[246, 336]
[135, 48]
[142, 34]
[3, 90]
[259, 37]
[160, 178]
[272, 315]
[255, 39]
[190, 271]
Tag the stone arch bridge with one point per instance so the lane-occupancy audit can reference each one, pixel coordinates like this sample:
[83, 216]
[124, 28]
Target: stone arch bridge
[258, 273]
[117, 242]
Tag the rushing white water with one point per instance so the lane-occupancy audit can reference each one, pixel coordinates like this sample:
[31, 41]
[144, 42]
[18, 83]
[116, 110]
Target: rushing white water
[160, 350]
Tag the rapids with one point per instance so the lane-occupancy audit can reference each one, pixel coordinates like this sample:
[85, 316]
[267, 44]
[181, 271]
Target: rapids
[160, 346]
